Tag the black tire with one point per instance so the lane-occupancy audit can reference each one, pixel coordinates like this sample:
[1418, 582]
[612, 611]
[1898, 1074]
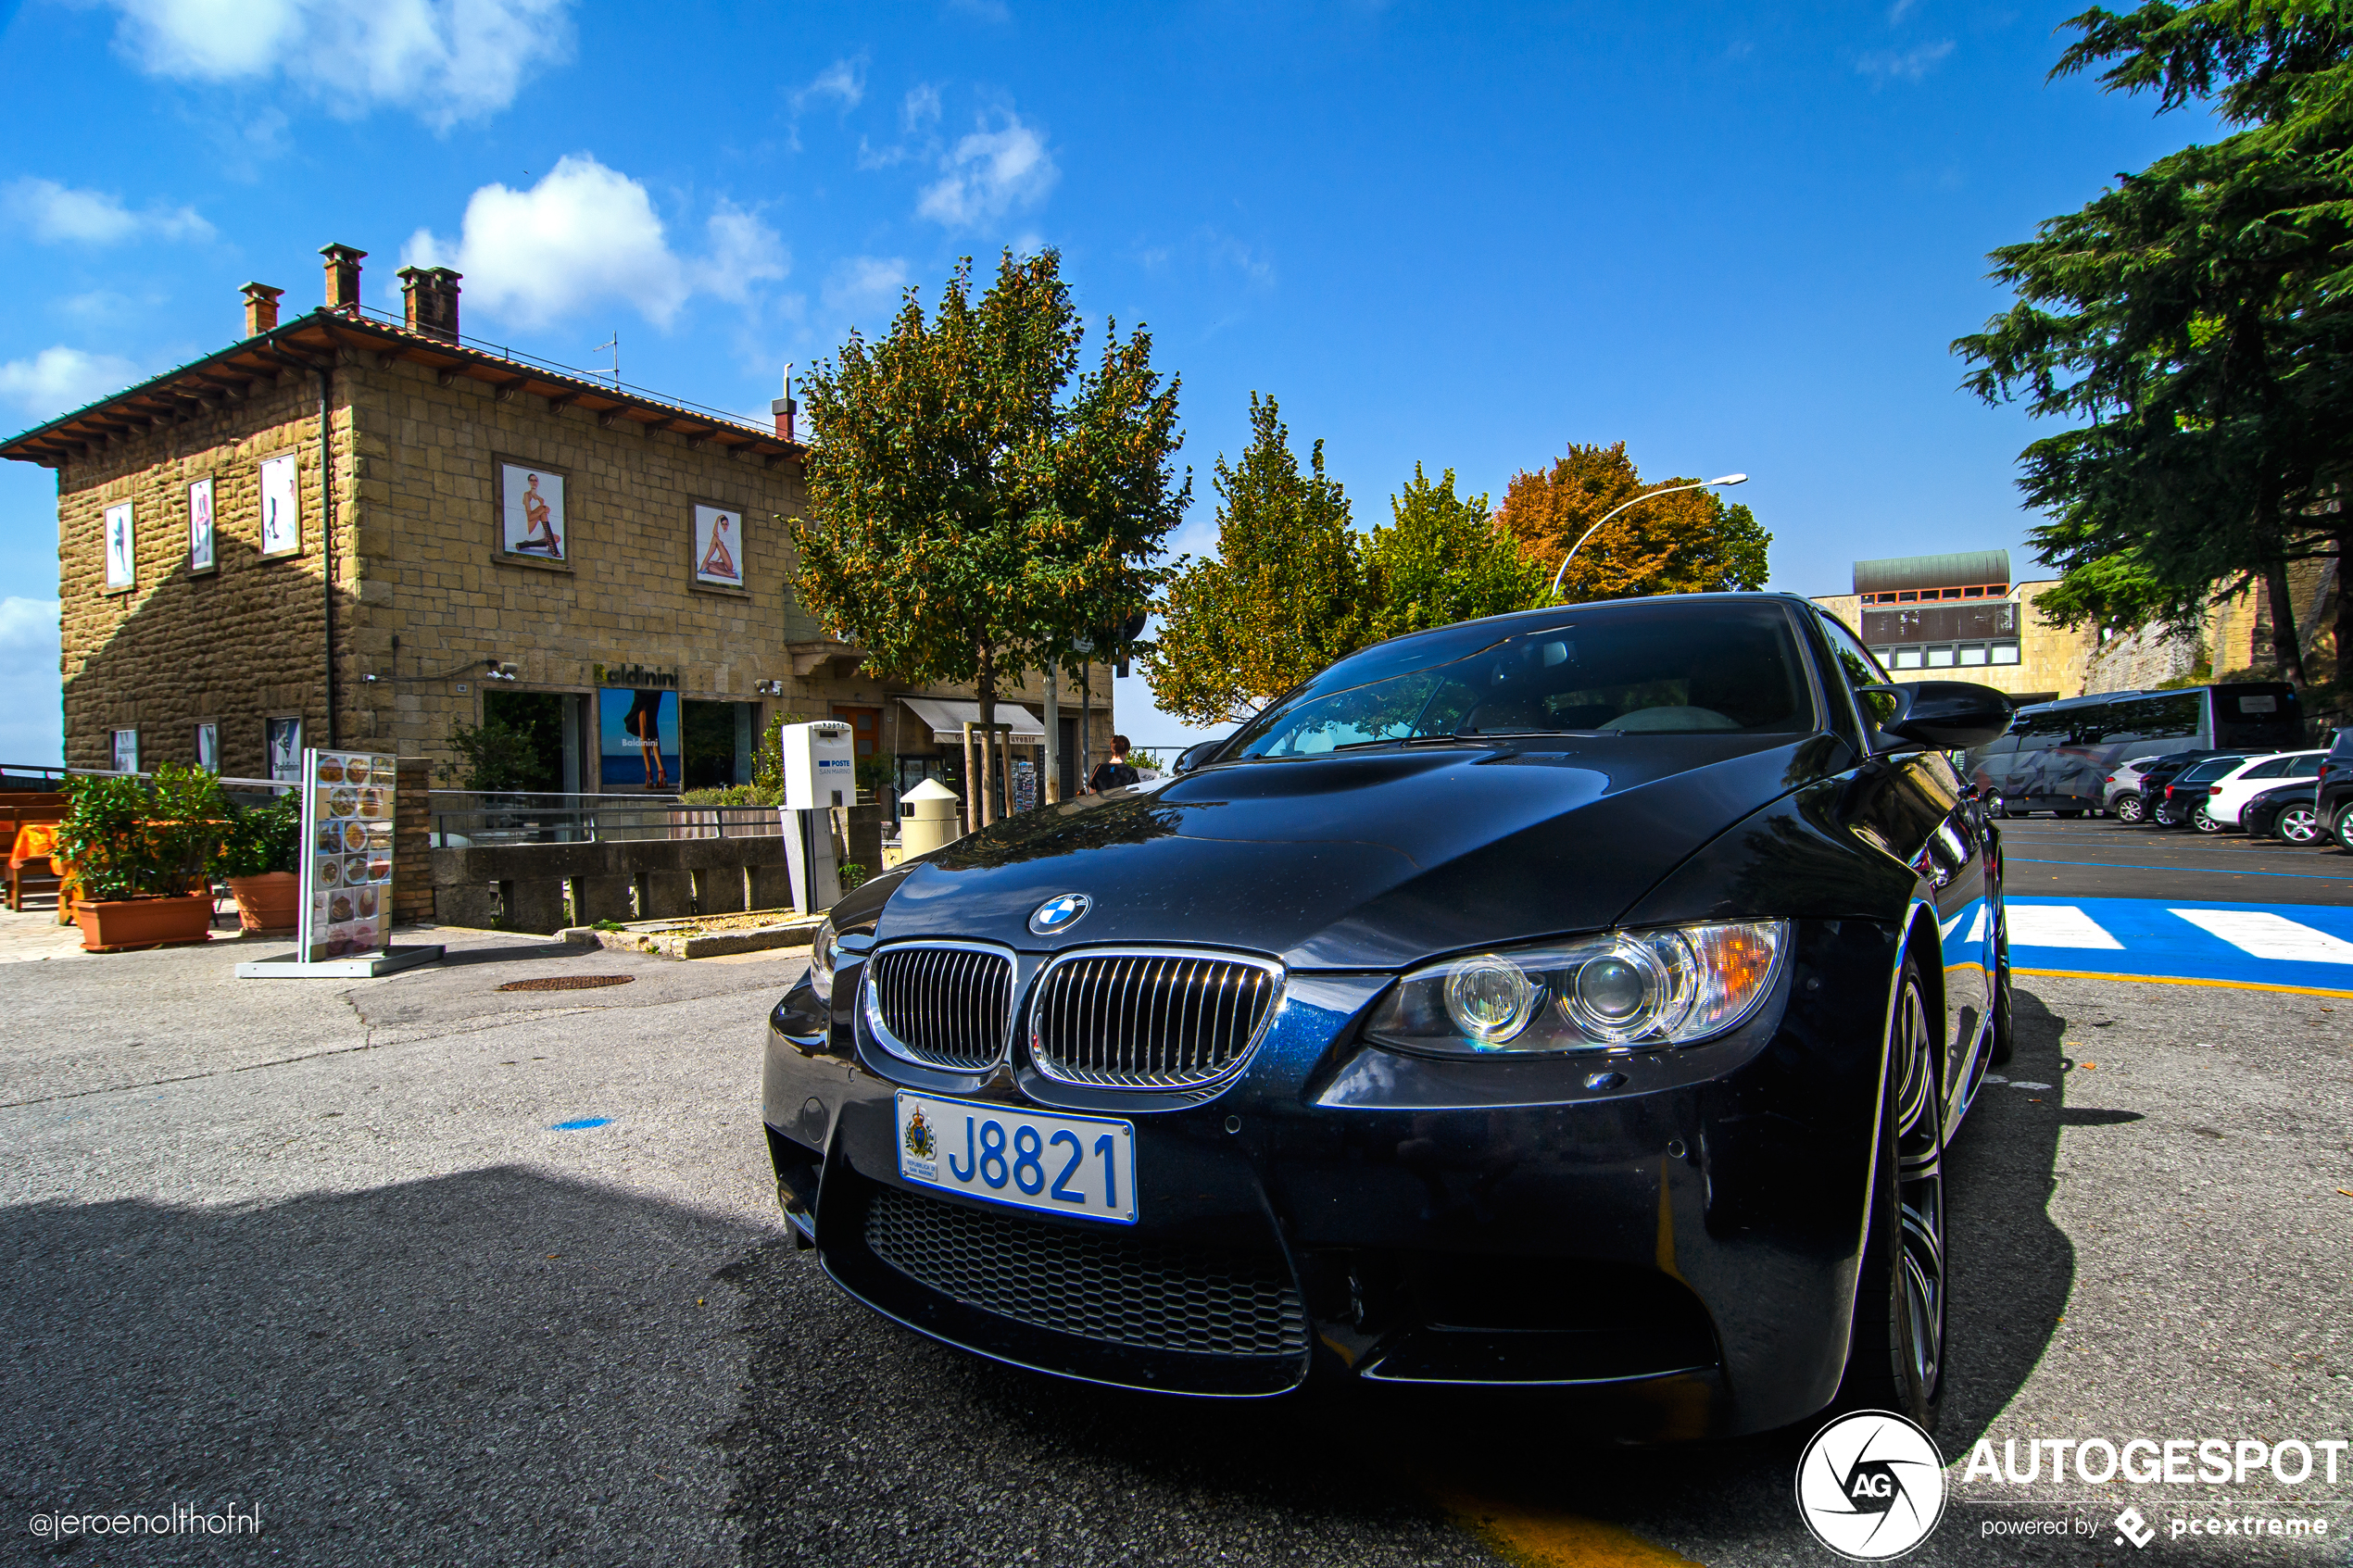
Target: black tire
[1895, 1349]
[2130, 808]
[2342, 829]
[2297, 825]
[2206, 822]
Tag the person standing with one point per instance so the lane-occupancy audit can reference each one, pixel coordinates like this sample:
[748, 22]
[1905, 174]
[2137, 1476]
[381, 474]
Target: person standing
[1116, 772]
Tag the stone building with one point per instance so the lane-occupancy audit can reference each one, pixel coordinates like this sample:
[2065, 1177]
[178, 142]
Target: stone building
[1960, 616]
[355, 529]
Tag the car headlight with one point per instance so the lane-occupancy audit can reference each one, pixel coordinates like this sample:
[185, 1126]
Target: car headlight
[823, 953]
[1624, 990]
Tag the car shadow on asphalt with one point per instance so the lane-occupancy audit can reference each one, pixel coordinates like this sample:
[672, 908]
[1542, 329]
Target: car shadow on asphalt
[497, 1366]
[850, 1424]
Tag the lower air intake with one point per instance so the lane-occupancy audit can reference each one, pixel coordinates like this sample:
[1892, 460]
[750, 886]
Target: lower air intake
[1104, 1285]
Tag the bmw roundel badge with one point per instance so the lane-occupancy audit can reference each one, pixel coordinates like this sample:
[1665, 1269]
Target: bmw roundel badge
[1059, 913]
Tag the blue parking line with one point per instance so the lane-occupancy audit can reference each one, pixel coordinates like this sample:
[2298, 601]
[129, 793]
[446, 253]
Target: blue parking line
[2218, 871]
[2146, 938]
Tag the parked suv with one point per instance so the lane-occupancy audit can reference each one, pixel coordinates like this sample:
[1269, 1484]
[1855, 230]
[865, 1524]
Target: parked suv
[2184, 797]
[2120, 794]
[2225, 795]
[2332, 799]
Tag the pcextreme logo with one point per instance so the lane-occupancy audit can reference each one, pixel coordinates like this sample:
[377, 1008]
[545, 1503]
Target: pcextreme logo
[1870, 1485]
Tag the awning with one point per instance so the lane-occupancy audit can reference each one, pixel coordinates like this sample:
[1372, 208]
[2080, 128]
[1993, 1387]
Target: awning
[947, 717]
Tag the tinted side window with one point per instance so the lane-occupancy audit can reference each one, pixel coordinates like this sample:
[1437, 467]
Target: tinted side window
[2307, 766]
[1861, 670]
[2275, 769]
[2171, 717]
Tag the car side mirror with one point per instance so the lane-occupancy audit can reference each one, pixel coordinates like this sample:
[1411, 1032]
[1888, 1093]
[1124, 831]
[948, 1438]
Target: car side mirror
[1943, 715]
[1194, 755]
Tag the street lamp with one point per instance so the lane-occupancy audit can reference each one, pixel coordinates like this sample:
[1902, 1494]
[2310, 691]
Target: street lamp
[1670, 490]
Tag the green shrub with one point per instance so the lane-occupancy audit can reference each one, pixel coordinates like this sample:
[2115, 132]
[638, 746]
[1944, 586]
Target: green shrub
[131, 840]
[491, 756]
[265, 838]
[853, 876]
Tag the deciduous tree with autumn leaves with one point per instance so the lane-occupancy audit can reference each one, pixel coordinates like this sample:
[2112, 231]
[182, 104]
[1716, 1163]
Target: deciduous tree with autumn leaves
[1294, 585]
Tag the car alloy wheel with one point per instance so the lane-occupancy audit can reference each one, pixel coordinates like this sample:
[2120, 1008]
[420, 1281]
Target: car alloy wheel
[2299, 825]
[2344, 828]
[2204, 820]
[2130, 808]
[1895, 1359]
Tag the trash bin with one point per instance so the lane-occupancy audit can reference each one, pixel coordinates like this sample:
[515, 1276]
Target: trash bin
[927, 818]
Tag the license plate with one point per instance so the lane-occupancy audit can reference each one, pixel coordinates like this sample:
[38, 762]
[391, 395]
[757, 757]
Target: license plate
[1081, 1165]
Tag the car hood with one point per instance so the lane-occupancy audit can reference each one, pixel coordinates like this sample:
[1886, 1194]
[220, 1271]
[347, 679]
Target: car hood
[1356, 861]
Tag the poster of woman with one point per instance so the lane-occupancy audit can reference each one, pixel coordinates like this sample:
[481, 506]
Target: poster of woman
[122, 555]
[200, 525]
[281, 507]
[719, 547]
[637, 739]
[532, 508]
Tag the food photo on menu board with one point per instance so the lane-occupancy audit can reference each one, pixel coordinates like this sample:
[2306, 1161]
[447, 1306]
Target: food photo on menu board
[347, 799]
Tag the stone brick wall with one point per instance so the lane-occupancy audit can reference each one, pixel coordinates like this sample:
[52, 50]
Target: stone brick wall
[417, 559]
[235, 647]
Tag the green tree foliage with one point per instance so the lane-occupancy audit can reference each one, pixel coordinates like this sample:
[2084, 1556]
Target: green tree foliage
[1283, 597]
[974, 510]
[491, 756]
[1444, 558]
[2194, 321]
[1690, 542]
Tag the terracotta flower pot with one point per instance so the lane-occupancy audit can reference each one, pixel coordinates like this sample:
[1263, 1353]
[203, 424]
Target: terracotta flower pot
[271, 901]
[115, 924]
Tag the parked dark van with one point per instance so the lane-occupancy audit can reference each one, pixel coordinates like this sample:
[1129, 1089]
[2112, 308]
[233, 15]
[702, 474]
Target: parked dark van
[2057, 756]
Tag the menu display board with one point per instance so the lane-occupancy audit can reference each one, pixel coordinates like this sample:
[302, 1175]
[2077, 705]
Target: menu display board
[347, 859]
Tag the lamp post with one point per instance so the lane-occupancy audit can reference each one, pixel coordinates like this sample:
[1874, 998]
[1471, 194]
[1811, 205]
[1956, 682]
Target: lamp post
[1668, 490]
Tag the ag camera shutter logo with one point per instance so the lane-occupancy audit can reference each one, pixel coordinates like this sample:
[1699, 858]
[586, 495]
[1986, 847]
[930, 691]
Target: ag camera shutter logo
[1870, 1485]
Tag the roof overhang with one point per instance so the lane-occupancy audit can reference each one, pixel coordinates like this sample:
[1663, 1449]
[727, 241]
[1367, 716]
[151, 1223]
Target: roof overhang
[326, 338]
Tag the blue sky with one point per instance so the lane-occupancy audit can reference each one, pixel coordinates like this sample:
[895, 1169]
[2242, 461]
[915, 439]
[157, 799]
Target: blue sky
[1457, 235]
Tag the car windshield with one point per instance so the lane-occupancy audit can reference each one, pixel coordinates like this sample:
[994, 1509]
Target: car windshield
[1699, 667]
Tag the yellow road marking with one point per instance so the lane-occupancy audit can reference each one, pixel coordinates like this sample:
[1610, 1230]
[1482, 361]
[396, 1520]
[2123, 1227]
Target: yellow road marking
[2169, 980]
[1543, 1538]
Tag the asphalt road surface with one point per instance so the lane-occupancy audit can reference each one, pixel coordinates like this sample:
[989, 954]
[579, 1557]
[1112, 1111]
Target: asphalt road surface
[425, 1272]
[2100, 858]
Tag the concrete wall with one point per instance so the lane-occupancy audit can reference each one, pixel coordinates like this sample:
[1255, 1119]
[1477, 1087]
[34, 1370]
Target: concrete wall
[522, 888]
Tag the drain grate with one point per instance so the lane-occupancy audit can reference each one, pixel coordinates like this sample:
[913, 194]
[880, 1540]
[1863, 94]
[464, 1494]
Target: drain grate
[567, 983]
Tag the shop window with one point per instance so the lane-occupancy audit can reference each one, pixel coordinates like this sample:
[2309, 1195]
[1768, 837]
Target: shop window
[1940, 658]
[536, 766]
[2006, 653]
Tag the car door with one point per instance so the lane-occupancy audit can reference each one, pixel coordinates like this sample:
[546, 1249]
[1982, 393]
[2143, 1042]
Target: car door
[1913, 805]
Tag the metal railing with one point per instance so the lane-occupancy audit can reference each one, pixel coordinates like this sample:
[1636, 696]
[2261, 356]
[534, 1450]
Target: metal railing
[463, 819]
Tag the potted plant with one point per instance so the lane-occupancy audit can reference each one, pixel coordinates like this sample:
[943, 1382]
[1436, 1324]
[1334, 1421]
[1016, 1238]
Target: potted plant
[259, 859]
[142, 856]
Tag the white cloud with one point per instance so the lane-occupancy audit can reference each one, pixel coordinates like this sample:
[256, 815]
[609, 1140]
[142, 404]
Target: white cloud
[861, 284]
[445, 60]
[57, 381]
[1910, 65]
[1224, 250]
[989, 174]
[32, 725]
[922, 107]
[844, 81]
[584, 235]
[1899, 10]
[61, 215]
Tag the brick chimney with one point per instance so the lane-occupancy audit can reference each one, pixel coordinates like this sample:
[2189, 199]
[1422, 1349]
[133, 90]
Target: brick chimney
[342, 277]
[785, 407]
[261, 308]
[430, 297]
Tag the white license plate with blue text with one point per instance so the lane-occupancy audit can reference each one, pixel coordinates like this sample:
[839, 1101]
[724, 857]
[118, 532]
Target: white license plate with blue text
[1079, 1165]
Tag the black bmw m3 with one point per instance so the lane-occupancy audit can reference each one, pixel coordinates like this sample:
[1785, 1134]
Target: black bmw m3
[1581, 998]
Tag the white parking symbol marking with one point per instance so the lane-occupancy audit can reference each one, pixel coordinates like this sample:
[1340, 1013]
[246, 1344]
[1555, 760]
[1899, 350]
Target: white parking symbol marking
[2056, 925]
[2268, 935]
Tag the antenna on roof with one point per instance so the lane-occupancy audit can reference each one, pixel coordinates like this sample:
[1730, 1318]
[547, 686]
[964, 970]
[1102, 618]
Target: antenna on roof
[612, 343]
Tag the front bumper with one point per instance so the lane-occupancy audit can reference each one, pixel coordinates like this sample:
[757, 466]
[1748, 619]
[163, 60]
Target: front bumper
[1674, 1234]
